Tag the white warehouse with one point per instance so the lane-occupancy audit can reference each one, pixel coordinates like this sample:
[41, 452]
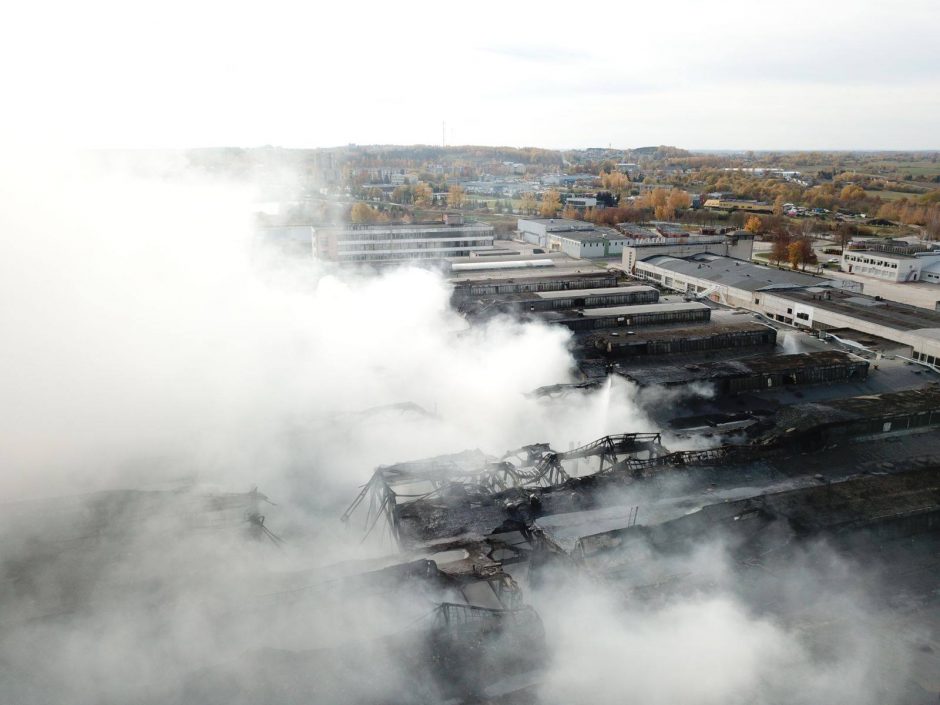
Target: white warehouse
[574, 238]
[920, 266]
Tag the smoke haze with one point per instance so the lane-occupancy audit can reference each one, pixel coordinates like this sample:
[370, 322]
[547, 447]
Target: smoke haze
[150, 343]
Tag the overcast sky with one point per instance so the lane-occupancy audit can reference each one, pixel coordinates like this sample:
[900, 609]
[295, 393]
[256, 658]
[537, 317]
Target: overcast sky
[707, 75]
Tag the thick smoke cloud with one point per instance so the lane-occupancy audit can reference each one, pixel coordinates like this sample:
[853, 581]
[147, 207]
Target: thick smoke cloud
[147, 339]
[701, 629]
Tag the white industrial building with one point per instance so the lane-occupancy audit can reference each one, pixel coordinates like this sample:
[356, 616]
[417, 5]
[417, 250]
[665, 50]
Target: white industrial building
[581, 203]
[575, 238]
[892, 267]
[371, 244]
[798, 299]
[738, 245]
[726, 280]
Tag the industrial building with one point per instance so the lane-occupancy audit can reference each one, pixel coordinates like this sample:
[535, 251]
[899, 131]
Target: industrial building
[672, 339]
[892, 267]
[381, 244]
[473, 284]
[575, 238]
[798, 299]
[620, 316]
[861, 472]
[564, 300]
[737, 204]
[738, 245]
[536, 231]
[729, 281]
[756, 373]
[855, 417]
[825, 309]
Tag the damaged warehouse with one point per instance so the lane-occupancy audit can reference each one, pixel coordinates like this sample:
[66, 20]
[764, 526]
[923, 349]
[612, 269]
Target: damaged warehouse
[735, 376]
[639, 315]
[548, 501]
[666, 340]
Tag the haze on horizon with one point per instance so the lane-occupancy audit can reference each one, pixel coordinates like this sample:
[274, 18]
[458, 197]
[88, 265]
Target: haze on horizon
[729, 75]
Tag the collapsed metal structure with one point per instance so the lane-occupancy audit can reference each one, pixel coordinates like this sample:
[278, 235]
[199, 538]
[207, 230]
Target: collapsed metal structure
[532, 466]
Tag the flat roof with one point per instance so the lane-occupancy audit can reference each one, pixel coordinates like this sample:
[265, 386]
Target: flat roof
[878, 253]
[560, 222]
[565, 268]
[593, 236]
[600, 291]
[723, 369]
[734, 273]
[890, 314]
[805, 416]
[644, 308]
[679, 331]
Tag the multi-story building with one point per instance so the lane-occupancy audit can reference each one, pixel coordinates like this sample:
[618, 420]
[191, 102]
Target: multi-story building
[376, 244]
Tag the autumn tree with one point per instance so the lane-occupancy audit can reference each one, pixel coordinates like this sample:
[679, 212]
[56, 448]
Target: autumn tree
[456, 196]
[551, 202]
[664, 212]
[363, 213]
[800, 253]
[754, 225]
[852, 192]
[423, 195]
[678, 200]
[781, 245]
[528, 203]
[615, 181]
[658, 197]
[402, 194]
[778, 205]
[571, 213]
[845, 232]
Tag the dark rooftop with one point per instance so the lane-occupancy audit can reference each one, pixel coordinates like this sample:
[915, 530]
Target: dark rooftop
[725, 369]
